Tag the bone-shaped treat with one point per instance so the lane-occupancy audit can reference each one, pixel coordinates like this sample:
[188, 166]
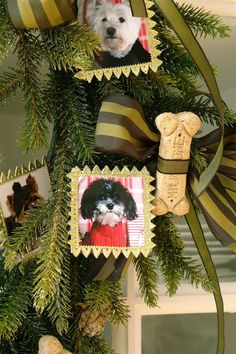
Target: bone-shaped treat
[176, 131]
[51, 345]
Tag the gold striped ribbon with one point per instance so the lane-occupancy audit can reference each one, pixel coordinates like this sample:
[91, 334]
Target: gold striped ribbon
[39, 13]
[218, 200]
[121, 128]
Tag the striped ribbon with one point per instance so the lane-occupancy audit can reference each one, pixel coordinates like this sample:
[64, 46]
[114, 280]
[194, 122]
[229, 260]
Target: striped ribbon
[39, 13]
[111, 268]
[121, 128]
[218, 200]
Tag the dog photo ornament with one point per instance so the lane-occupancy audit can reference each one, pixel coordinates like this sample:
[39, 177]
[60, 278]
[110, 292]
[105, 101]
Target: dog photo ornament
[110, 212]
[128, 43]
[20, 190]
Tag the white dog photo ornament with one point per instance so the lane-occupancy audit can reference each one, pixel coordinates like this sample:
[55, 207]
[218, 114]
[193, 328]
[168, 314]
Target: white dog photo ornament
[110, 212]
[128, 43]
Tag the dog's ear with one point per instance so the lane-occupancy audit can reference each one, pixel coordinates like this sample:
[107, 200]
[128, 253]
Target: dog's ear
[31, 181]
[130, 206]
[86, 208]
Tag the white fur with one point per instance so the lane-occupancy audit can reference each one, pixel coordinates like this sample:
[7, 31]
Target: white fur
[107, 15]
[105, 216]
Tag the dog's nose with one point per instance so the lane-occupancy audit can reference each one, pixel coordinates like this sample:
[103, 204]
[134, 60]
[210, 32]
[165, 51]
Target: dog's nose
[110, 206]
[111, 31]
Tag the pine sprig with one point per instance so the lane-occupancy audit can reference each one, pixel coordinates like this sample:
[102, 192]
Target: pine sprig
[24, 237]
[146, 269]
[14, 303]
[69, 46]
[103, 295]
[7, 32]
[10, 83]
[171, 260]
[204, 23]
[93, 345]
[34, 132]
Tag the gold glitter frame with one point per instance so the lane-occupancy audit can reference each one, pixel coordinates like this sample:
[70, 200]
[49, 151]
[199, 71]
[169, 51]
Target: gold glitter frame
[19, 171]
[76, 247]
[153, 64]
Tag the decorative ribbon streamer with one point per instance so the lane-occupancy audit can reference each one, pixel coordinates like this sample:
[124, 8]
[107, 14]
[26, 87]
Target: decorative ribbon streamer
[200, 242]
[39, 13]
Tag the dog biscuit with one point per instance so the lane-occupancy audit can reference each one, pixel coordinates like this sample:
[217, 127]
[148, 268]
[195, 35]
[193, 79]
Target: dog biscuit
[176, 131]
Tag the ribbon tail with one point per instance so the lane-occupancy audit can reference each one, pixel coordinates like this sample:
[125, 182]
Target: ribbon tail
[199, 239]
[138, 8]
[177, 22]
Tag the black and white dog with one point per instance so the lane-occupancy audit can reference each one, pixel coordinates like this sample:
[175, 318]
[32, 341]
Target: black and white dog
[107, 203]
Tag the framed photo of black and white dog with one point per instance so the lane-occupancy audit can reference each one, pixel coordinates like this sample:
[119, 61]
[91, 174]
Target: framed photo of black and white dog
[20, 190]
[128, 43]
[110, 212]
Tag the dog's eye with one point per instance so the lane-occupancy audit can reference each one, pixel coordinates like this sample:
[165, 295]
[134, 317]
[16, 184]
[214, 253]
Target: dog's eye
[104, 19]
[121, 19]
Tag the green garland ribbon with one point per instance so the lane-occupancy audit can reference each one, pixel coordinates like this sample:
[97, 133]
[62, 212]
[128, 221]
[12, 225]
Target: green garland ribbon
[39, 13]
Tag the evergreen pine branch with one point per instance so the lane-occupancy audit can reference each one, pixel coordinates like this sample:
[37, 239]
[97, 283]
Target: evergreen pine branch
[69, 46]
[24, 237]
[14, 302]
[107, 295]
[10, 83]
[72, 105]
[7, 32]
[93, 345]
[203, 22]
[207, 112]
[52, 281]
[34, 132]
[173, 264]
[146, 269]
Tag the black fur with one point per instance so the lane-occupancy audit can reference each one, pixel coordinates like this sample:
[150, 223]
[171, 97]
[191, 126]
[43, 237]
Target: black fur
[136, 55]
[103, 189]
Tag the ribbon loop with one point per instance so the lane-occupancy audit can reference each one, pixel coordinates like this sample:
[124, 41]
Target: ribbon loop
[39, 13]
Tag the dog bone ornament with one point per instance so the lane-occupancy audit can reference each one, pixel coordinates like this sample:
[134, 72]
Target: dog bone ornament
[51, 345]
[176, 131]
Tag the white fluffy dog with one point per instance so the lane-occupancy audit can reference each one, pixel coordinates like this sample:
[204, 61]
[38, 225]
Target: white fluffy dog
[115, 24]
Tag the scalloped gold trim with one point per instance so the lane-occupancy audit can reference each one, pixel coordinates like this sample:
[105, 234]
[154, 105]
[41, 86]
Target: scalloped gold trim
[126, 70]
[76, 248]
[18, 172]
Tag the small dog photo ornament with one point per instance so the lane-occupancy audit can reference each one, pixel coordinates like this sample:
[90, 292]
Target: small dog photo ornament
[110, 212]
[128, 43]
[21, 190]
